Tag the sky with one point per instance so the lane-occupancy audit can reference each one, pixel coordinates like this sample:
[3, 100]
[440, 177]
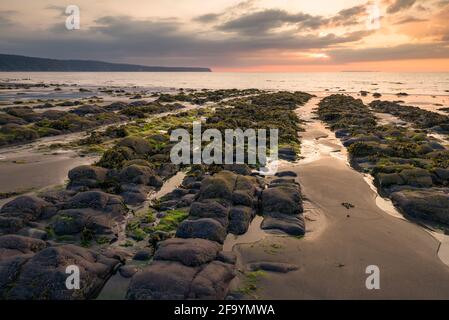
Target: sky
[237, 35]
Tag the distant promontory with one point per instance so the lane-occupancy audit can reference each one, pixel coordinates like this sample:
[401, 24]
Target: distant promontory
[23, 63]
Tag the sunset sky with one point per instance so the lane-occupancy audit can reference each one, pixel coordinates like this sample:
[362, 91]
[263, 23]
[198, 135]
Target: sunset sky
[252, 35]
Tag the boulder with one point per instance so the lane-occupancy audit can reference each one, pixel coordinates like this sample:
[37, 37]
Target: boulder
[241, 169]
[287, 153]
[33, 233]
[227, 257]
[127, 271]
[281, 199]
[136, 174]
[162, 280]
[13, 245]
[134, 194]
[100, 201]
[221, 185]
[88, 199]
[139, 145]
[432, 205]
[209, 208]
[417, 177]
[86, 177]
[204, 228]
[244, 198]
[387, 179]
[290, 224]
[190, 252]
[17, 213]
[442, 174]
[212, 282]
[143, 255]
[286, 174]
[44, 275]
[239, 219]
[87, 109]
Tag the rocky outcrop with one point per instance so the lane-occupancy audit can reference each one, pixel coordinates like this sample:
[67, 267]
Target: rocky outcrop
[192, 265]
[19, 212]
[431, 205]
[42, 276]
[282, 207]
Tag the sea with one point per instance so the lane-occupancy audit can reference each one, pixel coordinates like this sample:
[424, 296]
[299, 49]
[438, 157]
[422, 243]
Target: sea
[382, 82]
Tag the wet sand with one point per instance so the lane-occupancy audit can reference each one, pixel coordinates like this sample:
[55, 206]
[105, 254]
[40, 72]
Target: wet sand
[333, 259]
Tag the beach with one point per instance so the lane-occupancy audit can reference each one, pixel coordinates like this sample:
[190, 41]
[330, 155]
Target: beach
[102, 185]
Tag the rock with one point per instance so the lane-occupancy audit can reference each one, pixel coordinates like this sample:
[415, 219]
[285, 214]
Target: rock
[136, 174]
[244, 198]
[167, 170]
[100, 201]
[119, 105]
[442, 174]
[56, 197]
[273, 267]
[239, 219]
[286, 174]
[15, 214]
[143, 255]
[212, 282]
[44, 275]
[133, 194]
[209, 208]
[139, 145]
[287, 153]
[227, 257]
[168, 205]
[387, 179]
[88, 199]
[87, 109]
[127, 271]
[11, 224]
[162, 280]
[74, 221]
[241, 169]
[290, 224]
[432, 205]
[284, 200]
[139, 162]
[10, 270]
[204, 228]
[341, 133]
[221, 185]
[13, 245]
[417, 177]
[186, 201]
[155, 181]
[190, 252]
[33, 233]
[86, 177]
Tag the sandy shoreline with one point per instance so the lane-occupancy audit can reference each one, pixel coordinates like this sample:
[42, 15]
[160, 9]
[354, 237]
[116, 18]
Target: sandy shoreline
[332, 265]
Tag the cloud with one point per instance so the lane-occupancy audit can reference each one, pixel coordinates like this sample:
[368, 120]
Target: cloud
[401, 52]
[5, 18]
[400, 5]
[410, 20]
[208, 18]
[349, 16]
[165, 42]
[266, 20]
[59, 9]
